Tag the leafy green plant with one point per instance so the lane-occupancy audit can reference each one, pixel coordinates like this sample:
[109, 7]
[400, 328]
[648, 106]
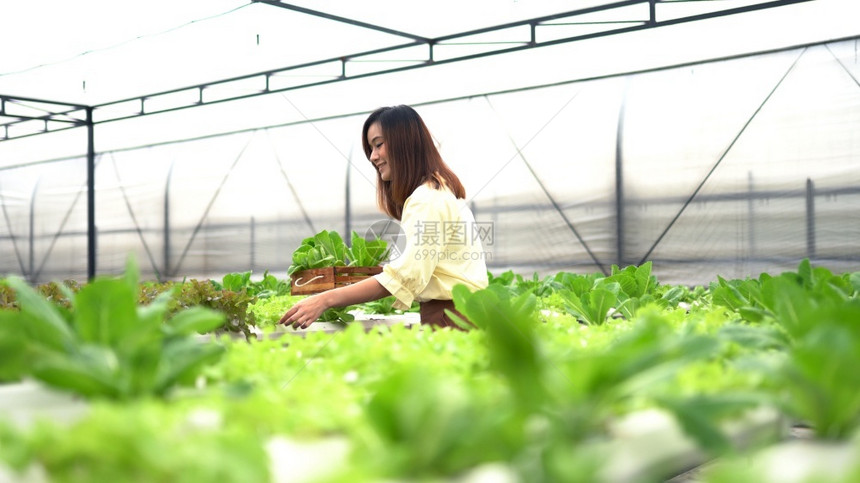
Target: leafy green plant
[337, 314]
[106, 345]
[203, 293]
[234, 281]
[780, 297]
[325, 249]
[852, 280]
[367, 253]
[600, 383]
[593, 298]
[634, 281]
[56, 292]
[7, 296]
[576, 283]
[577, 395]
[742, 296]
[385, 306]
[517, 284]
[818, 317]
[555, 388]
[820, 376]
[137, 442]
[270, 285]
[700, 416]
[241, 281]
[508, 321]
[267, 312]
[593, 307]
[234, 305]
[637, 287]
[419, 416]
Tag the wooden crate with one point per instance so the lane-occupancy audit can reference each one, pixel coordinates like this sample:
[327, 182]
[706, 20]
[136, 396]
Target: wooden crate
[316, 280]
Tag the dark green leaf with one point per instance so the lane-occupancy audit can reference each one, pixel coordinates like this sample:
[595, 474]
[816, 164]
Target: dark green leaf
[90, 376]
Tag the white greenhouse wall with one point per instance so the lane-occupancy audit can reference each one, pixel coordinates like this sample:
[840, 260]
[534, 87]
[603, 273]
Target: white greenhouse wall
[725, 168]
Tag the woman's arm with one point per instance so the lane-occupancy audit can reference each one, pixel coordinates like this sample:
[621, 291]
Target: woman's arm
[308, 310]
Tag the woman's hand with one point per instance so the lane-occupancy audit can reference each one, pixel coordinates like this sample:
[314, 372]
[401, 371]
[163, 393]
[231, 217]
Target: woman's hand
[305, 312]
[308, 310]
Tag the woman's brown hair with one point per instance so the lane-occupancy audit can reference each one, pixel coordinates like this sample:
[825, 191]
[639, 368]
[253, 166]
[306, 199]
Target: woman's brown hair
[412, 155]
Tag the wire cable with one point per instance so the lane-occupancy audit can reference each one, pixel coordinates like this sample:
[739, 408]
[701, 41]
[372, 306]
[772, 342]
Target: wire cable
[720, 160]
[124, 42]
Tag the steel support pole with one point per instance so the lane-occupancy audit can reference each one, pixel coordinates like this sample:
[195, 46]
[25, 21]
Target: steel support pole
[751, 213]
[91, 196]
[810, 219]
[166, 269]
[347, 212]
[619, 180]
[31, 269]
[253, 242]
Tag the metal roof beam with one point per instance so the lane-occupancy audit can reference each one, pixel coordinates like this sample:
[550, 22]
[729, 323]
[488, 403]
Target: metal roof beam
[137, 106]
[345, 20]
[63, 116]
[41, 101]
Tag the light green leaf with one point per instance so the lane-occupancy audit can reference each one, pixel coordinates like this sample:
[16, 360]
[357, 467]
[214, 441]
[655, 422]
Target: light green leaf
[673, 296]
[644, 280]
[106, 312]
[132, 272]
[181, 361]
[854, 280]
[41, 319]
[575, 307]
[151, 316]
[790, 304]
[600, 301]
[194, 320]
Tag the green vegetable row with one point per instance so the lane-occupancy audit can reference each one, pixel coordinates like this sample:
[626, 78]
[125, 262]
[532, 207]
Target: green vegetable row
[531, 392]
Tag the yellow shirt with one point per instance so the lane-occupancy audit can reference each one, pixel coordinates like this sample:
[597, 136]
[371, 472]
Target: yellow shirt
[443, 248]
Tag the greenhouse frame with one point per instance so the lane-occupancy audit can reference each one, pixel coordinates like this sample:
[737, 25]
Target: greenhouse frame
[653, 276]
[724, 146]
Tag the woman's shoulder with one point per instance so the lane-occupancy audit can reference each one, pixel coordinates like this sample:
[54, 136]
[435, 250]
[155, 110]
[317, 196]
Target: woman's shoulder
[427, 195]
[428, 190]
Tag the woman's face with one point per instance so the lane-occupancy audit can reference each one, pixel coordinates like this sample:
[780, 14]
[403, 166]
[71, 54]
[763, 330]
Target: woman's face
[378, 153]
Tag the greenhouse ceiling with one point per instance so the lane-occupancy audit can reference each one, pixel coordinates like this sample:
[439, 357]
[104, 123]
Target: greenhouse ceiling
[125, 60]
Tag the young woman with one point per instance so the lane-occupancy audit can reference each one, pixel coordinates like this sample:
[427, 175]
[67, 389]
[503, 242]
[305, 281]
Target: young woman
[415, 187]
